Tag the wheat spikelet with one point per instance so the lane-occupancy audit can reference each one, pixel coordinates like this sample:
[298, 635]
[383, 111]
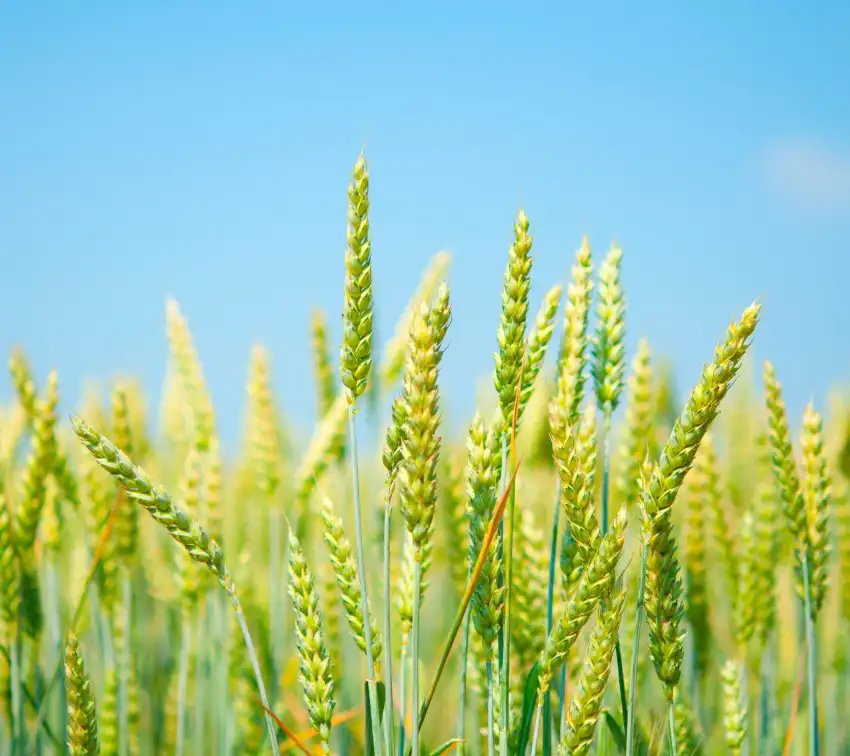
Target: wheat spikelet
[638, 425]
[694, 558]
[734, 712]
[663, 595]
[707, 487]
[576, 495]
[593, 586]
[511, 335]
[767, 514]
[587, 703]
[785, 468]
[127, 521]
[421, 442]
[264, 442]
[816, 494]
[609, 365]
[345, 570]
[323, 369]
[744, 611]
[529, 630]
[483, 468]
[315, 676]
[535, 346]
[157, 501]
[356, 351]
[573, 357]
[39, 464]
[108, 727]
[82, 714]
[182, 351]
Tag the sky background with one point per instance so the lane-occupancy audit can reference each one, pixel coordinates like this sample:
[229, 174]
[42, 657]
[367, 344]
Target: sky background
[202, 151]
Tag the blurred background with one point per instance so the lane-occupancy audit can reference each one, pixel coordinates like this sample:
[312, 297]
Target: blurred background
[202, 151]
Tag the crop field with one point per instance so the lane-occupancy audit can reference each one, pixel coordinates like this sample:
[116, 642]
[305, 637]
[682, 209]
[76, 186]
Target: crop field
[596, 564]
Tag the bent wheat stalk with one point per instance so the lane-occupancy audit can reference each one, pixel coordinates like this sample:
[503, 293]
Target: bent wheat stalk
[188, 533]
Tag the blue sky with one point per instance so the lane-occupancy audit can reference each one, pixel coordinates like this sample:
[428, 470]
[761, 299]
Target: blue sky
[202, 151]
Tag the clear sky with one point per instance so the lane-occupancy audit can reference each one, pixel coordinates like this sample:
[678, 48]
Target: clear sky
[202, 151]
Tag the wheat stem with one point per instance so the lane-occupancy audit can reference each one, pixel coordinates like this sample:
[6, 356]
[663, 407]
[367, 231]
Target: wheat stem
[671, 712]
[505, 660]
[550, 602]
[414, 685]
[461, 708]
[201, 658]
[389, 719]
[361, 569]
[123, 667]
[17, 700]
[402, 696]
[490, 723]
[633, 674]
[606, 477]
[811, 662]
[182, 685]
[537, 715]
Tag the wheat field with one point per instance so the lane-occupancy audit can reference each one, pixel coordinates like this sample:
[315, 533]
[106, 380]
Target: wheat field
[595, 565]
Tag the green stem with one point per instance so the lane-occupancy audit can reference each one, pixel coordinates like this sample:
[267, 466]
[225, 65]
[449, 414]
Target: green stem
[361, 569]
[461, 704]
[275, 602]
[630, 728]
[402, 696]
[536, 734]
[182, 684]
[258, 675]
[506, 637]
[54, 602]
[225, 704]
[123, 667]
[745, 699]
[814, 736]
[606, 482]
[226, 699]
[491, 748]
[550, 602]
[17, 703]
[200, 685]
[765, 746]
[414, 685]
[672, 721]
[389, 718]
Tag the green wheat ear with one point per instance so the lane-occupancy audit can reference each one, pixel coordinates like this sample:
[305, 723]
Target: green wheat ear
[157, 501]
[483, 468]
[356, 351]
[595, 585]
[587, 704]
[734, 710]
[315, 672]
[511, 335]
[421, 443]
[82, 715]
[663, 594]
[345, 571]
[608, 349]
[816, 493]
